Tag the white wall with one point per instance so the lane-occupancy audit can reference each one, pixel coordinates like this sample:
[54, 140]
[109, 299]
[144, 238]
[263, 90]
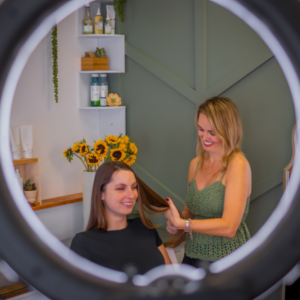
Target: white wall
[56, 126]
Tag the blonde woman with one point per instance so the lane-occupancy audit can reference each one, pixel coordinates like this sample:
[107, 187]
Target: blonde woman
[219, 188]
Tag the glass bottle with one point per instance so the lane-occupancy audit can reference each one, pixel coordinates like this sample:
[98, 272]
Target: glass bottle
[87, 21]
[108, 25]
[98, 22]
[95, 90]
[103, 89]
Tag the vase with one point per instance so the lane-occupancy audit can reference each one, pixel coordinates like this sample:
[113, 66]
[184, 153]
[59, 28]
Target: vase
[88, 181]
[31, 196]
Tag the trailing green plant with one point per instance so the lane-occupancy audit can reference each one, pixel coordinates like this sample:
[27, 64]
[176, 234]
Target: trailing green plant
[119, 8]
[27, 186]
[54, 62]
[100, 52]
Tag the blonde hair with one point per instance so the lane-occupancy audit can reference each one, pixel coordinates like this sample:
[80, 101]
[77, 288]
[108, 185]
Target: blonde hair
[225, 121]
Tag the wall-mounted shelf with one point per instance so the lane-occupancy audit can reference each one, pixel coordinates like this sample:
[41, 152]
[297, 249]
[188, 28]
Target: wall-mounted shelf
[100, 35]
[99, 72]
[103, 107]
[112, 120]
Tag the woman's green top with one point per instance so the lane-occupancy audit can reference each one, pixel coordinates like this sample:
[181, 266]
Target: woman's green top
[208, 204]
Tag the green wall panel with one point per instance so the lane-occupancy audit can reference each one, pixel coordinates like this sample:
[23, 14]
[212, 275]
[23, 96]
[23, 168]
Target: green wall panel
[221, 56]
[161, 122]
[264, 101]
[230, 42]
[262, 207]
[169, 41]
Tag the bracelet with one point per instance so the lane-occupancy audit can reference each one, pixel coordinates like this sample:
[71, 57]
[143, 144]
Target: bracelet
[188, 227]
[191, 229]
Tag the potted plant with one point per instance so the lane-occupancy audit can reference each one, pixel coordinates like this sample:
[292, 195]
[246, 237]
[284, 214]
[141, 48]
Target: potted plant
[30, 191]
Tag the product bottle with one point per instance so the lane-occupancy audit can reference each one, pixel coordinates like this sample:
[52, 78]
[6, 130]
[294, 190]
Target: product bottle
[98, 21]
[95, 90]
[113, 22]
[107, 25]
[20, 179]
[112, 15]
[103, 89]
[87, 22]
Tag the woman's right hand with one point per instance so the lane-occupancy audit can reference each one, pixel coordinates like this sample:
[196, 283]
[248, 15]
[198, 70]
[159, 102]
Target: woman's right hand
[171, 229]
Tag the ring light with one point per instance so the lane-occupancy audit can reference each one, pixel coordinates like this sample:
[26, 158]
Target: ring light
[37, 256]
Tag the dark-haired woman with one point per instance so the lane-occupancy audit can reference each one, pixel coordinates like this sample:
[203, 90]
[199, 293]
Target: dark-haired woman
[111, 240]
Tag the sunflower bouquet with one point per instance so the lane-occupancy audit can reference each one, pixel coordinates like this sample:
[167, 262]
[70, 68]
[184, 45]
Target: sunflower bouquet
[112, 148]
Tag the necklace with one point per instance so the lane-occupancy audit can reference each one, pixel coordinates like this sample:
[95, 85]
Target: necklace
[213, 164]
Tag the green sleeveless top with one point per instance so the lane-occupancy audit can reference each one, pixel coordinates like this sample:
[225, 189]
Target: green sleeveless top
[208, 204]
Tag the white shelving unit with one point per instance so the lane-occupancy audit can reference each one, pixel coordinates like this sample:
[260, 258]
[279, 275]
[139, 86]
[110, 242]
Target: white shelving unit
[111, 119]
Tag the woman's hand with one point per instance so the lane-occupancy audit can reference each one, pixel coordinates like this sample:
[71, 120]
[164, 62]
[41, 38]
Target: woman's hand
[170, 228]
[173, 216]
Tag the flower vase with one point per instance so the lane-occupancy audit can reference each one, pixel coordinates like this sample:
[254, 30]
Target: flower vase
[88, 181]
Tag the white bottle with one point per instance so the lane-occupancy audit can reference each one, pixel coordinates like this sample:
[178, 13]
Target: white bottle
[108, 25]
[20, 179]
[103, 89]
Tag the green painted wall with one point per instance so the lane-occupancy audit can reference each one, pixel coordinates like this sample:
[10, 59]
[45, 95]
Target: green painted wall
[178, 54]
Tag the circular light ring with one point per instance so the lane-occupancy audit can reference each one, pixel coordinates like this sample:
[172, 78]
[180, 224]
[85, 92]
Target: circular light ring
[48, 266]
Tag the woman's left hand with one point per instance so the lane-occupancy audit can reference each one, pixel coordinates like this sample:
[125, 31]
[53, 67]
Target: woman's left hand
[173, 215]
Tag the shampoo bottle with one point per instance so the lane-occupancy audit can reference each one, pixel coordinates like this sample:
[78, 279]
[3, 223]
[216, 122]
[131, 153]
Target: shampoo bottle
[103, 89]
[98, 22]
[95, 90]
[108, 25]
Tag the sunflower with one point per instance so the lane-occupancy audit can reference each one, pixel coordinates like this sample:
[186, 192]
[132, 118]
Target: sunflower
[101, 148]
[123, 147]
[65, 153]
[130, 160]
[83, 149]
[93, 159]
[112, 139]
[125, 139]
[76, 147]
[133, 148]
[117, 154]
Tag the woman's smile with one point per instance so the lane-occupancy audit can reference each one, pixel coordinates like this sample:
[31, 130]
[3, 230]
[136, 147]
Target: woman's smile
[120, 194]
[209, 139]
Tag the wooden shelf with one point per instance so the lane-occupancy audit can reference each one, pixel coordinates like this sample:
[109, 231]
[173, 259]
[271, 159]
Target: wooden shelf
[53, 202]
[29, 168]
[24, 161]
[102, 72]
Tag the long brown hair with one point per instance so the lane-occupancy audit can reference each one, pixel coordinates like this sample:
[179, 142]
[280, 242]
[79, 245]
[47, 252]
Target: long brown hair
[147, 198]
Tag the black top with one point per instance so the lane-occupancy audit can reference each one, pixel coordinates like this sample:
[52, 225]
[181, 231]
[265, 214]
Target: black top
[135, 244]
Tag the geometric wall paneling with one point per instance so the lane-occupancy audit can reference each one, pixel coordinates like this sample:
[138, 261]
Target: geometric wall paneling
[225, 53]
[160, 72]
[264, 101]
[233, 49]
[160, 120]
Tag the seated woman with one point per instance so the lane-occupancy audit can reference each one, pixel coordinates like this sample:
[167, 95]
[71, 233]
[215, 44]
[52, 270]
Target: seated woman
[111, 240]
[219, 189]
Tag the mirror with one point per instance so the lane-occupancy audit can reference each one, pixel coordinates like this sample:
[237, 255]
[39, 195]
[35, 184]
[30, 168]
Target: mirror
[132, 65]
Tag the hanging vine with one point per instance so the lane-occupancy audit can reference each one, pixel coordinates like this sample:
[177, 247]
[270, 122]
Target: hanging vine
[54, 62]
[119, 8]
